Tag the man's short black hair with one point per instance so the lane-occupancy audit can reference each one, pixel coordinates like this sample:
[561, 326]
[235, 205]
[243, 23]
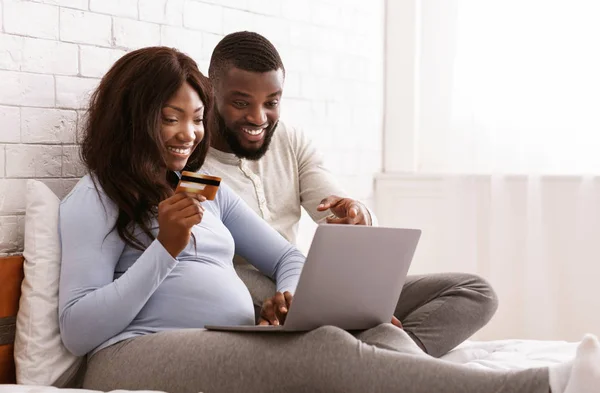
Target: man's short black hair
[245, 50]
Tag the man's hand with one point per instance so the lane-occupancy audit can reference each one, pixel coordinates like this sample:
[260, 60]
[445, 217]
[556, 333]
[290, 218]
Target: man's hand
[275, 309]
[345, 211]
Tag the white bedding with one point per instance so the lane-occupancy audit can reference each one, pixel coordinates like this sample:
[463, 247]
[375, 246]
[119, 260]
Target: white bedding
[503, 354]
[512, 354]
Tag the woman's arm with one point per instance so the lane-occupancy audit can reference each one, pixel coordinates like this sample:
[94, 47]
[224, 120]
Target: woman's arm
[258, 243]
[92, 307]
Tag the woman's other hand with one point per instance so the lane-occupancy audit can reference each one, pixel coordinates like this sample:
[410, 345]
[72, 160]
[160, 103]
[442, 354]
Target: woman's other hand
[275, 309]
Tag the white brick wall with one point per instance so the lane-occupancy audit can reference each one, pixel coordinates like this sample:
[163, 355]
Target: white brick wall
[52, 126]
[54, 52]
[20, 88]
[95, 61]
[209, 42]
[189, 41]
[265, 7]
[128, 8]
[10, 125]
[129, 33]
[53, 57]
[11, 237]
[2, 159]
[33, 161]
[73, 92]
[79, 4]
[30, 19]
[296, 10]
[85, 27]
[168, 12]
[202, 16]
[71, 165]
[12, 52]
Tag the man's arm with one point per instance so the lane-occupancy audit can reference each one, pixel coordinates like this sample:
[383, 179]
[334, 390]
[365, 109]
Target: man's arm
[320, 193]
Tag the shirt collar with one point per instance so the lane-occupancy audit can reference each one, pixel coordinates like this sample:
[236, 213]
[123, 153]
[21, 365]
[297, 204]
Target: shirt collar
[222, 157]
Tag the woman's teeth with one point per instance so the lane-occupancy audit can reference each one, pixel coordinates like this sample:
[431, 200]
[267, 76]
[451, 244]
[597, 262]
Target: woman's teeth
[253, 132]
[178, 150]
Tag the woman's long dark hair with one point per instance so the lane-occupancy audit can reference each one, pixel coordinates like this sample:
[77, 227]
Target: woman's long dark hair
[122, 146]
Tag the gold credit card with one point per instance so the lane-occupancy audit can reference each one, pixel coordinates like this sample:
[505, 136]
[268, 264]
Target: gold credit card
[197, 183]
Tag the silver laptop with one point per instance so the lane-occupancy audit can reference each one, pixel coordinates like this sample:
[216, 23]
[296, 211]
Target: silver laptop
[352, 279]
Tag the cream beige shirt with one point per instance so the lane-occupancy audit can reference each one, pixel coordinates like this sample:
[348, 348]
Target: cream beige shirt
[290, 175]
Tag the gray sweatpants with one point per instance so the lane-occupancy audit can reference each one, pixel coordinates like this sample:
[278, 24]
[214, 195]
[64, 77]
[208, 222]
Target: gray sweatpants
[438, 311]
[327, 359]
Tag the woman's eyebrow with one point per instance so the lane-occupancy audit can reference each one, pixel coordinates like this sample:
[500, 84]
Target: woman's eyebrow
[181, 110]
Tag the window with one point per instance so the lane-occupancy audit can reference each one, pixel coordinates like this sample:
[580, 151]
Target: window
[482, 86]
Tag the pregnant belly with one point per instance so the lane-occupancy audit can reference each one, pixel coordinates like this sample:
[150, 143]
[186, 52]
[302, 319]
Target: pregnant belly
[197, 294]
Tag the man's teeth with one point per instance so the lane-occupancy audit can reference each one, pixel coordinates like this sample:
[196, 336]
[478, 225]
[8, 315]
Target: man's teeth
[253, 132]
[179, 151]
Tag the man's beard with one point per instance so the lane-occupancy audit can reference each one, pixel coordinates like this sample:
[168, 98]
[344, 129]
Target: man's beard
[231, 137]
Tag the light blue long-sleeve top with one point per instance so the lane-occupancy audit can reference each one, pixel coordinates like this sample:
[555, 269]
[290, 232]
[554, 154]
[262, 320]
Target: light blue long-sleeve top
[110, 291]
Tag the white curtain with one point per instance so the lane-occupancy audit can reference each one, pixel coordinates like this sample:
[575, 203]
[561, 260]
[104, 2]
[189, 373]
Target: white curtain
[509, 123]
[535, 238]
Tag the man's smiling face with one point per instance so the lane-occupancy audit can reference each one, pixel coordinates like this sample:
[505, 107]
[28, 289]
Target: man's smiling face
[247, 109]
